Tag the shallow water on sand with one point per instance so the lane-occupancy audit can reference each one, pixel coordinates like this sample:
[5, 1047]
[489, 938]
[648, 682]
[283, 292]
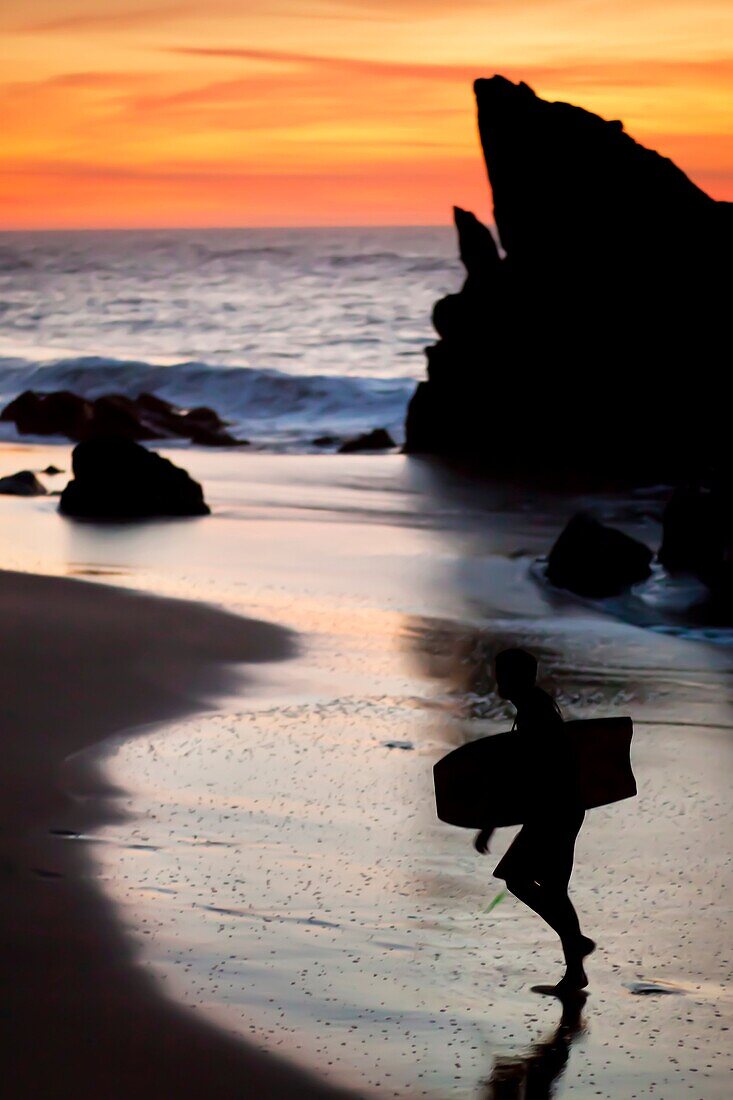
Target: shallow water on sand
[281, 868]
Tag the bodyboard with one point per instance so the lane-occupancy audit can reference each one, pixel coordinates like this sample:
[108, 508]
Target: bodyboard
[491, 781]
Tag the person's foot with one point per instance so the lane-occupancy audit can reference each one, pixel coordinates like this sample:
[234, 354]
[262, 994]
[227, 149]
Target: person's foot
[573, 980]
[570, 997]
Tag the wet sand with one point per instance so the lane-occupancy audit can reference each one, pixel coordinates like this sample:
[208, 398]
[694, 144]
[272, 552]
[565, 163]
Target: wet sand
[79, 662]
[279, 869]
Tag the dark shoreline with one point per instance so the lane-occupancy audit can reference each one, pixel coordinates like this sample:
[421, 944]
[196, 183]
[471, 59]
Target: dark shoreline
[78, 663]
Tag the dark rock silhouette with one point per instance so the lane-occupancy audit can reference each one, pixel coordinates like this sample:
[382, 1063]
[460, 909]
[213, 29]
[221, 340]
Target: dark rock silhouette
[23, 484]
[52, 470]
[698, 536]
[118, 479]
[376, 440]
[696, 528]
[145, 417]
[588, 347]
[60, 413]
[593, 560]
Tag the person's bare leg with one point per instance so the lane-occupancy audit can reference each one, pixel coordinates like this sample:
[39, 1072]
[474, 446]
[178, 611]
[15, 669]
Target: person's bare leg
[557, 910]
[553, 906]
[564, 919]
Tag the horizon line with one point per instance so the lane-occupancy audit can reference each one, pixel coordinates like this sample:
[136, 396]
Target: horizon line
[192, 228]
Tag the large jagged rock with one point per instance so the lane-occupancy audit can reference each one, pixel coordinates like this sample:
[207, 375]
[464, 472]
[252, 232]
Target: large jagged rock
[591, 345]
[144, 417]
[119, 479]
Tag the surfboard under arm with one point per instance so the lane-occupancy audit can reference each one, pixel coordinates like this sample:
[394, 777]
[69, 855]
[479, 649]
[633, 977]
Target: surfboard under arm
[490, 781]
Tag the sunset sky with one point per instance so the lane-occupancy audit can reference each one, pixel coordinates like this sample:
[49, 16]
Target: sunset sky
[336, 112]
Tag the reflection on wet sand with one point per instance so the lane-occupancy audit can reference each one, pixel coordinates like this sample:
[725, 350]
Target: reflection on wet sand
[534, 1074]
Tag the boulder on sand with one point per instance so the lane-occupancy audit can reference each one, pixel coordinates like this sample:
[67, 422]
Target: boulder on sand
[558, 354]
[377, 440]
[23, 484]
[117, 479]
[593, 560]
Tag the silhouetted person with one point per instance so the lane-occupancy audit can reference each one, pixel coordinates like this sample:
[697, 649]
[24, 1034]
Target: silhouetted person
[539, 862]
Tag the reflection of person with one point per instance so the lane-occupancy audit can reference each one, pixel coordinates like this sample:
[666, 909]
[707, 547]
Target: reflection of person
[536, 1073]
[539, 862]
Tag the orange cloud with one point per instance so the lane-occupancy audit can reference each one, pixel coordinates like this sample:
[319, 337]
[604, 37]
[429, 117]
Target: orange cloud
[347, 111]
[96, 20]
[634, 70]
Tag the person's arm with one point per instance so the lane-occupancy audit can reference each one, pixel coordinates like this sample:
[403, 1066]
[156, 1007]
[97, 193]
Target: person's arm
[481, 840]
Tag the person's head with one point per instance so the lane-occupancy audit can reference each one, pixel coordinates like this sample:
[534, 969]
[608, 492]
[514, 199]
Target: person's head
[515, 671]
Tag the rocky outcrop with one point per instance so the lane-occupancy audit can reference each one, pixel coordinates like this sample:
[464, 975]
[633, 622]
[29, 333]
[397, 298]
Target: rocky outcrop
[697, 537]
[587, 343]
[377, 440]
[593, 560]
[145, 417]
[117, 479]
[23, 484]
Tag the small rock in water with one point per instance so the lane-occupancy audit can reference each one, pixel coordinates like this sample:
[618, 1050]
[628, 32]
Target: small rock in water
[697, 538]
[325, 441]
[51, 470]
[406, 745]
[142, 418]
[23, 484]
[377, 440]
[594, 560]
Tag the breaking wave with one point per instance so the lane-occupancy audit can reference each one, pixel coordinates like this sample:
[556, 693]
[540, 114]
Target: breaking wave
[267, 406]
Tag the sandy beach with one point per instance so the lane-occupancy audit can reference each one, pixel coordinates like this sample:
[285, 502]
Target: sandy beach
[219, 812]
[81, 662]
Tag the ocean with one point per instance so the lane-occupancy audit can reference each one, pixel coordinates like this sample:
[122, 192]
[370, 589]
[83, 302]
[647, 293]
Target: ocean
[289, 333]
